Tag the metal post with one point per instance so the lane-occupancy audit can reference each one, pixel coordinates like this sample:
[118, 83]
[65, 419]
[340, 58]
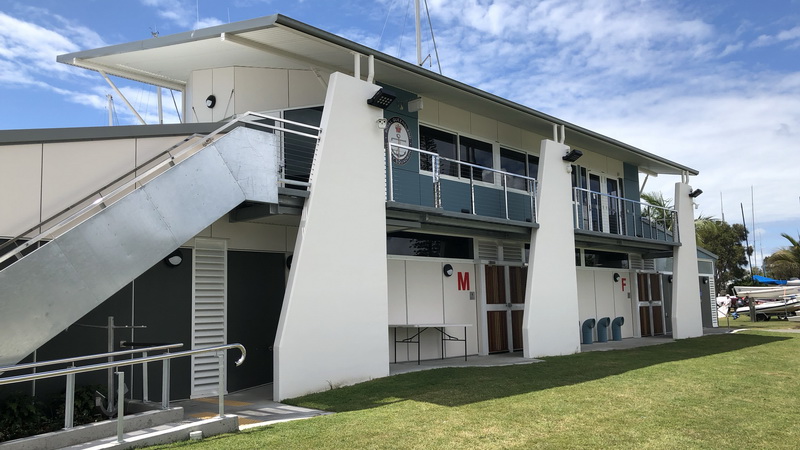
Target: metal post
[165, 384]
[472, 189]
[69, 404]
[145, 384]
[120, 405]
[437, 187]
[221, 387]
[390, 175]
[110, 372]
[505, 193]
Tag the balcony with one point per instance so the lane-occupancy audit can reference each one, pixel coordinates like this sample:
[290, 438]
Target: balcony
[448, 185]
[608, 214]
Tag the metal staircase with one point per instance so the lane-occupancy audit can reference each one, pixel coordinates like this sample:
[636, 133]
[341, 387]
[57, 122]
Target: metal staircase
[104, 246]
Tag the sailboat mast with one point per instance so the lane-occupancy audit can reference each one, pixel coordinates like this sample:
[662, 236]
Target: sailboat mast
[419, 32]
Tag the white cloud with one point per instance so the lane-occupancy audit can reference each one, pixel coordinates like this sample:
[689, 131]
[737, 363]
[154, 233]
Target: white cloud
[182, 13]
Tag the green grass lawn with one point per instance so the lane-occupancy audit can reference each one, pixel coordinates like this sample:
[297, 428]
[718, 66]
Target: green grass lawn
[772, 324]
[721, 391]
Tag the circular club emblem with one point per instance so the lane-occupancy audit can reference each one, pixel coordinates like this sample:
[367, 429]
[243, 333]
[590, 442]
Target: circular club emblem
[397, 133]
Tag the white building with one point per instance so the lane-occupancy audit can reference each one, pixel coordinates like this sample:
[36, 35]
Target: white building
[300, 243]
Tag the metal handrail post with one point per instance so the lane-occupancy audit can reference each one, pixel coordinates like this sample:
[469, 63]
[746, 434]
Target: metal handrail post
[505, 193]
[472, 190]
[390, 175]
[221, 388]
[120, 405]
[69, 404]
[110, 371]
[145, 383]
[165, 384]
[437, 187]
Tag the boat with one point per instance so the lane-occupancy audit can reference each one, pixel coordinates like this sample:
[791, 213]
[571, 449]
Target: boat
[776, 289]
[781, 308]
[766, 292]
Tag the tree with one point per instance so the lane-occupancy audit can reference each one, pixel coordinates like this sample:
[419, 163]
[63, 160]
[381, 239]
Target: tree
[724, 240]
[661, 211]
[784, 263]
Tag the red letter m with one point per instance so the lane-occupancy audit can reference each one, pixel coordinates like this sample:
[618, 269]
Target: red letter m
[463, 281]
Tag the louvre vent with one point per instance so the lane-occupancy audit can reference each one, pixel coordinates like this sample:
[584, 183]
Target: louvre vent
[209, 310]
[487, 250]
[512, 253]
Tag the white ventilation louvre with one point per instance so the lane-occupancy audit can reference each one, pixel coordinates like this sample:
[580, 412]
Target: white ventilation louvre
[209, 311]
[512, 253]
[487, 250]
[637, 263]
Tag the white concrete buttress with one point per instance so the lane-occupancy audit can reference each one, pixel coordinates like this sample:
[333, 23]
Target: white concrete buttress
[687, 320]
[334, 321]
[551, 296]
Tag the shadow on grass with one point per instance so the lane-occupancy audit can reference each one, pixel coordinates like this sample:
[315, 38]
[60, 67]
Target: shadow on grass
[461, 386]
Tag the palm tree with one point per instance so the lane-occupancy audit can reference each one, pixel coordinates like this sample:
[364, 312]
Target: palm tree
[661, 210]
[784, 263]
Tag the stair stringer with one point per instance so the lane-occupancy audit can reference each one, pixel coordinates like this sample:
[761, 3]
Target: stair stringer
[52, 287]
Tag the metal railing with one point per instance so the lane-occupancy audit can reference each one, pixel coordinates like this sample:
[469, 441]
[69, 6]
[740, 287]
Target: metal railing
[298, 146]
[604, 213]
[70, 373]
[465, 187]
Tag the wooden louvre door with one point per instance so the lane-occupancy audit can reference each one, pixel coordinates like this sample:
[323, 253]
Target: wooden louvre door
[505, 303]
[517, 277]
[498, 331]
[496, 316]
[651, 309]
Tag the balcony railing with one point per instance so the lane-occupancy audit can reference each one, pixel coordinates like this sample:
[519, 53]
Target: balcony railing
[603, 213]
[462, 188]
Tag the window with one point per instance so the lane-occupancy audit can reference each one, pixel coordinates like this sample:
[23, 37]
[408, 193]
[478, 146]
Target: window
[441, 143]
[479, 153]
[456, 148]
[518, 163]
[417, 244]
[595, 258]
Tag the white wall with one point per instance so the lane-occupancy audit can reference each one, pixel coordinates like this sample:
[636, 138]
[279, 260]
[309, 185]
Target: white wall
[599, 296]
[334, 321]
[419, 293]
[478, 126]
[43, 179]
[242, 89]
[551, 269]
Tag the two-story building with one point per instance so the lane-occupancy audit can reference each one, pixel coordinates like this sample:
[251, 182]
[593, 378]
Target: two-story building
[366, 197]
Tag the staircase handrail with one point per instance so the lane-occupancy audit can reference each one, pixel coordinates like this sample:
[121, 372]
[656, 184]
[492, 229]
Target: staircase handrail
[54, 362]
[238, 120]
[121, 363]
[70, 373]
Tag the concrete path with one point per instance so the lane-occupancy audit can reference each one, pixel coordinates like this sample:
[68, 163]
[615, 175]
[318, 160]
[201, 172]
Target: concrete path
[254, 407]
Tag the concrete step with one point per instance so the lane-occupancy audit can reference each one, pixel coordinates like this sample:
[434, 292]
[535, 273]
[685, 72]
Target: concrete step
[166, 433]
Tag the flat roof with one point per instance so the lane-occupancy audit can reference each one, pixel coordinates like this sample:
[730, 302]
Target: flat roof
[281, 42]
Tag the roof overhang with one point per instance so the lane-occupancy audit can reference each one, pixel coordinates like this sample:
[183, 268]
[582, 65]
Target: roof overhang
[280, 42]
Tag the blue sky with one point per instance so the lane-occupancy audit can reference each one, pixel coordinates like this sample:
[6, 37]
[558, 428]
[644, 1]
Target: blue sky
[714, 85]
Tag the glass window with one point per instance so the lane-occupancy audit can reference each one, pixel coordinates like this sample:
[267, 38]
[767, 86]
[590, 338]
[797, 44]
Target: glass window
[456, 148]
[533, 166]
[441, 143]
[479, 153]
[517, 163]
[595, 258]
[417, 244]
